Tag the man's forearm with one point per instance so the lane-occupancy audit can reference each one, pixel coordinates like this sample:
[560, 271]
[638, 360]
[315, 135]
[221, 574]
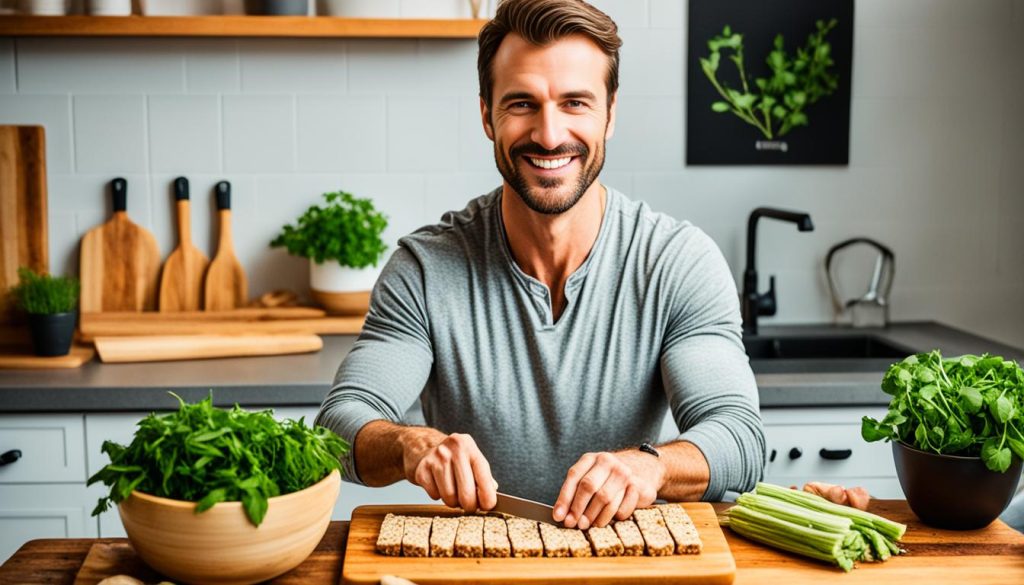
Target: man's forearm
[382, 448]
[686, 472]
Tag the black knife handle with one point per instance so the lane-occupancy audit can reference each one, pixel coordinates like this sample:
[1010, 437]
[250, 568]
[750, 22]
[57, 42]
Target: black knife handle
[223, 189]
[10, 457]
[181, 189]
[835, 454]
[119, 194]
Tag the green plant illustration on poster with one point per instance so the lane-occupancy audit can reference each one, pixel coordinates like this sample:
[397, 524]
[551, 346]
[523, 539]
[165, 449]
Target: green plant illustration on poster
[781, 100]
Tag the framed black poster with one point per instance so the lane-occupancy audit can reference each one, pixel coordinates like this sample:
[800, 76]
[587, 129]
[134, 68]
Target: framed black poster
[768, 82]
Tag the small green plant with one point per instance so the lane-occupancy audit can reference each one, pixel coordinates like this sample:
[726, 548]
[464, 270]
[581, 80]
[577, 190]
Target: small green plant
[795, 83]
[346, 229]
[42, 294]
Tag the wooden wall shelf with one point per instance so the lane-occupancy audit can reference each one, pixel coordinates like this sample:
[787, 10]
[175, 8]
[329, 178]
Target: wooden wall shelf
[236, 26]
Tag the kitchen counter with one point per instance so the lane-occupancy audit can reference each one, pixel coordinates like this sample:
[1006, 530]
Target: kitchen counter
[992, 555]
[304, 379]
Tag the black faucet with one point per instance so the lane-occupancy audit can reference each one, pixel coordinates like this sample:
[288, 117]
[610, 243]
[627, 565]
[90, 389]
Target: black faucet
[753, 303]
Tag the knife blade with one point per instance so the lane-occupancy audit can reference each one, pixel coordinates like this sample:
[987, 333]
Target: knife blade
[525, 509]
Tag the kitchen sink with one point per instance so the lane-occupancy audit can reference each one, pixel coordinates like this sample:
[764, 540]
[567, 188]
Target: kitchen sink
[823, 353]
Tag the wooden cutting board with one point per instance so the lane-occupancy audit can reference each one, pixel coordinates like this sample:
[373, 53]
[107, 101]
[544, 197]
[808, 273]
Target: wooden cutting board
[226, 286]
[106, 559]
[160, 348]
[118, 324]
[22, 358]
[119, 261]
[363, 565]
[181, 284]
[23, 235]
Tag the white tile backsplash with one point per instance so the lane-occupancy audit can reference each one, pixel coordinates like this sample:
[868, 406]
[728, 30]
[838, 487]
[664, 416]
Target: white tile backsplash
[340, 133]
[53, 112]
[184, 133]
[259, 133]
[937, 138]
[110, 134]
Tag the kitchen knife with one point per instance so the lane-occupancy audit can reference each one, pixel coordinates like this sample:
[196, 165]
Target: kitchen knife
[525, 509]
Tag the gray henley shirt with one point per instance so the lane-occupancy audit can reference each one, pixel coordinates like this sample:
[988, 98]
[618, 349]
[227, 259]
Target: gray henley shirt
[651, 323]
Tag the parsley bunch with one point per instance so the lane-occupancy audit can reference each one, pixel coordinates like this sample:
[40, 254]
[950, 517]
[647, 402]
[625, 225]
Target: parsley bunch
[969, 406]
[208, 455]
[347, 229]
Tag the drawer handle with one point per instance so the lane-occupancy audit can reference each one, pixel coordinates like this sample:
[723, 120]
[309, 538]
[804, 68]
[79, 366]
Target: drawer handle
[10, 457]
[796, 453]
[835, 454]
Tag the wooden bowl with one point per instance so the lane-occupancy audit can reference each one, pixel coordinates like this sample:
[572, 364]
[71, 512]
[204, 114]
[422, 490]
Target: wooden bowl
[338, 303]
[221, 545]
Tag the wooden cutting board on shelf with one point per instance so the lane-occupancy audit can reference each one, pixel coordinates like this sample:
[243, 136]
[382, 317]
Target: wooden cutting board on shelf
[23, 234]
[237, 322]
[226, 286]
[364, 566]
[181, 283]
[119, 261]
[161, 348]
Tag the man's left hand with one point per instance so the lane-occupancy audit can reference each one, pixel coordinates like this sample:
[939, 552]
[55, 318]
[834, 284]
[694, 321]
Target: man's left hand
[603, 486]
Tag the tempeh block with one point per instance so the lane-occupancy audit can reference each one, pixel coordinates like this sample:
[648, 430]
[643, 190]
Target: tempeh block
[632, 540]
[682, 528]
[656, 536]
[389, 541]
[416, 536]
[555, 544]
[496, 542]
[605, 541]
[579, 546]
[469, 540]
[525, 538]
[442, 536]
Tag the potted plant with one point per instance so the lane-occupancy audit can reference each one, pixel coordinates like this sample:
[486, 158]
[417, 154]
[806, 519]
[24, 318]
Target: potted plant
[957, 432]
[52, 306]
[342, 240]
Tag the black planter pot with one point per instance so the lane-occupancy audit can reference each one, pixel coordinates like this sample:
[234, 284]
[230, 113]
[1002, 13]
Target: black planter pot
[52, 334]
[947, 491]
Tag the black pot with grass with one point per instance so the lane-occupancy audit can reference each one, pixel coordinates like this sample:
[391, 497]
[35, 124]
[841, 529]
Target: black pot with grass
[52, 306]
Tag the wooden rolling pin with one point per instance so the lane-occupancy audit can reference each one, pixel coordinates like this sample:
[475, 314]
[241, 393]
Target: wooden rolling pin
[159, 348]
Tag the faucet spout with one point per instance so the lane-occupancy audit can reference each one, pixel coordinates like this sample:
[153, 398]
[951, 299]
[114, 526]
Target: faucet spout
[753, 303]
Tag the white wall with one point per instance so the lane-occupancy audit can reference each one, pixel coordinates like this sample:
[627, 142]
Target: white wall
[936, 166]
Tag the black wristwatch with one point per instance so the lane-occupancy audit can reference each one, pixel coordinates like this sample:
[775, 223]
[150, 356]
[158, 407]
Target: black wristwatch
[647, 448]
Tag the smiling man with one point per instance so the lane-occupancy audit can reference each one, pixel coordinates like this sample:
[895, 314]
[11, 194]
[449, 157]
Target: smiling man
[548, 326]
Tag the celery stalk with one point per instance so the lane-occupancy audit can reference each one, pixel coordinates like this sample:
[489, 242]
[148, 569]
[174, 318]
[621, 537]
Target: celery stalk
[892, 530]
[760, 533]
[795, 514]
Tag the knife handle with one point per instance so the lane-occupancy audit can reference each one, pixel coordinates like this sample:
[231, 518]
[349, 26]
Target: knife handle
[223, 190]
[181, 189]
[119, 194]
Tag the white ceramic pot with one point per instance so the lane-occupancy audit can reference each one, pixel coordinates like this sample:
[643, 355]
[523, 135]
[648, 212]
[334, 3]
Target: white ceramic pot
[341, 290]
[110, 7]
[359, 8]
[436, 9]
[44, 7]
[181, 7]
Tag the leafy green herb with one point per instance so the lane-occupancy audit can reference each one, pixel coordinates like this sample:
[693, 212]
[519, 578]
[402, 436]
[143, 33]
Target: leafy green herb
[205, 454]
[42, 294]
[347, 229]
[970, 405]
[795, 83]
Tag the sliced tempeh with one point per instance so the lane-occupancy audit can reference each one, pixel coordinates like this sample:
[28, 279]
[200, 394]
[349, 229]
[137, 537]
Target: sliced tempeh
[525, 538]
[416, 536]
[389, 541]
[555, 544]
[605, 541]
[469, 541]
[579, 546]
[632, 540]
[442, 536]
[496, 542]
[656, 536]
[682, 528]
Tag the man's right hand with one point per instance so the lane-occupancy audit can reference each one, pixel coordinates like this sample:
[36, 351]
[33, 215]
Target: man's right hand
[449, 467]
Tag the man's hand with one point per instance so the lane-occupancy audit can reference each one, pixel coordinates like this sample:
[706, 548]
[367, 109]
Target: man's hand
[603, 486]
[450, 468]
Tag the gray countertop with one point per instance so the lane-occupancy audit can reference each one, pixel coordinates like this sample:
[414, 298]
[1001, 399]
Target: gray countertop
[303, 380]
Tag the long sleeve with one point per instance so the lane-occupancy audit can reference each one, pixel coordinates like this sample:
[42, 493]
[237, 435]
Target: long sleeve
[708, 381]
[389, 364]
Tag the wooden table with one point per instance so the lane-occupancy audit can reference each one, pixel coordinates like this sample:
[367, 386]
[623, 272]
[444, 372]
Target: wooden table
[991, 555]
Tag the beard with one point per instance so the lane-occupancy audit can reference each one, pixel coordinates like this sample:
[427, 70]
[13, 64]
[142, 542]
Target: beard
[544, 198]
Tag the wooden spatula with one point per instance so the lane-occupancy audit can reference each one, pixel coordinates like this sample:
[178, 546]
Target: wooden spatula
[181, 285]
[226, 286]
[119, 262]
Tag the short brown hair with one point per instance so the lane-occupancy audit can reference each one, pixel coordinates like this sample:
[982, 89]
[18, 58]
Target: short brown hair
[541, 22]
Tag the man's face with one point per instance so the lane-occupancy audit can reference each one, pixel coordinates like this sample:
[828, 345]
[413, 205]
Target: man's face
[549, 118]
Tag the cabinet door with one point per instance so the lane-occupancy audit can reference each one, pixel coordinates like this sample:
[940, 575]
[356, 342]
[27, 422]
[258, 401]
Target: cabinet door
[52, 448]
[31, 511]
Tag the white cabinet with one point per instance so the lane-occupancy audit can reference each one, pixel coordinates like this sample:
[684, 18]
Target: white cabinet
[52, 448]
[29, 511]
